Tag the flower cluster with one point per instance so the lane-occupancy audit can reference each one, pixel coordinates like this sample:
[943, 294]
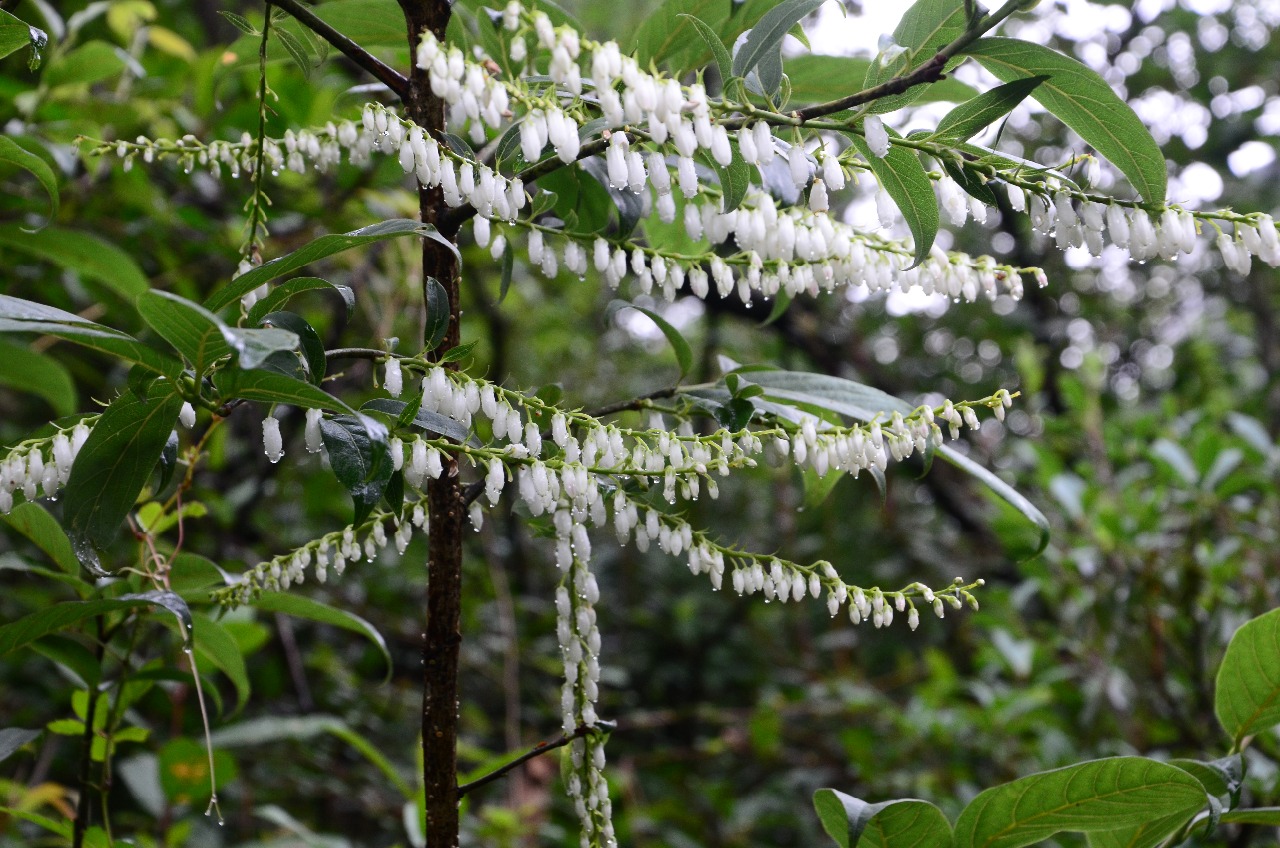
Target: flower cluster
[42, 466]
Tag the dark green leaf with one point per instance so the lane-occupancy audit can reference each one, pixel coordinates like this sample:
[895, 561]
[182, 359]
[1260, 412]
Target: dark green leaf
[1267, 816]
[684, 353]
[628, 204]
[459, 353]
[764, 41]
[735, 179]
[15, 35]
[668, 35]
[581, 200]
[194, 331]
[439, 314]
[1247, 697]
[1082, 100]
[904, 178]
[84, 253]
[297, 50]
[718, 51]
[1220, 778]
[72, 655]
[12, 152]
[114, 464]
[103, 339]
[292, 327]
[430, 422]
[303, 607]
[321, 248]
[356, 461]
[1149, 834]
[973, 116]
[972, 186]
[281, 294]
[240, 22]
[39, 374]
[1097, 796]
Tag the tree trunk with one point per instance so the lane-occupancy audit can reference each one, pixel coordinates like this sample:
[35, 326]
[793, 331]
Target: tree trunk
[444, 496]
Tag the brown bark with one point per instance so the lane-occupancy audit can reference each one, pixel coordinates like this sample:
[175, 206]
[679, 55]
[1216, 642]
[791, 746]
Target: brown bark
[444, 496]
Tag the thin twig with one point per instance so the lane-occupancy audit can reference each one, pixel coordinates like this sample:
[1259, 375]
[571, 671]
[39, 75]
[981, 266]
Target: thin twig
[536, 751]
[366, 60]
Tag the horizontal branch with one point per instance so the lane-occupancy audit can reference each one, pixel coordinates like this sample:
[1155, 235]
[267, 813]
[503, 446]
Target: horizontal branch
[366, 60]
[536, 751]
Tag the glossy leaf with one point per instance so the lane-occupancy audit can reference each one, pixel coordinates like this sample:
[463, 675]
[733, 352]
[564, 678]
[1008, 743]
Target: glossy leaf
[926, 26]
[13, 738]
[438, 314]
[25, 370]
[764, 41]
[904, 178]
[321, 248]
[87, 254]
[57, 617]
[1148, 834]
[300, 606]
[15, 154]
[99, 338]
[852, 822]
[194, 331]
[720, 53]
[1266, 816]
[114, 464]
[285, 331]
[973, 116]
[669, 36]
[1097, 796]
[281, 294]
[356, 461]
[430, 422]
[1082, 100]
[1247, 697]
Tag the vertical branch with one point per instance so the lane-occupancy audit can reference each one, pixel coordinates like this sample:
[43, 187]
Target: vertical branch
[444, 496]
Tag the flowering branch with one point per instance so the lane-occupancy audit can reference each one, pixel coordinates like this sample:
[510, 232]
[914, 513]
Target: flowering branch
[383, 73]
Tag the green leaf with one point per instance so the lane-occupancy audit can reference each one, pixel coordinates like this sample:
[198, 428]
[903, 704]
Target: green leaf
[1220, 778]
[360, 467]
[816, 79]
[718, 51]
[84, 253]
[241, 23]
[1146, 835]
[1269, 816]
[735, 179]
[581, 201]
[13, 738]
[33, 521]
[91, 62]
[1082, 100]
[194, 331]
[99, 338]
[904, 178]
[58, 617]
[764, 41]
[431, 422]
[926, 26]
[72, 655]
[265, 731]
[15, 35]
[14, 153]
[114, 464]
[312, 610]
[864, 403]
[286, 331]
[281, 294]
[39, 374]
[438, 314]
[214, 643]
[684, 353]
[321, 248]
[297, 49]
[1247, 698]
[850, 822]
[183, 766]
[973, 116]
[669, 36]
[1091, 797]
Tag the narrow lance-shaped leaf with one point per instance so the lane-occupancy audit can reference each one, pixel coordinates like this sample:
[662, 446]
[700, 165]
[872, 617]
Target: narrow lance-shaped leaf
[904, 178]
[87, 254]
[765, 38]
[1082, 100]
[27, 370]
[718, 51]
[668, 35]
[321, 248]
[973, 116]
[1096, 796]
[926, 27]
[1247, 697]
[304, 607]
[61, 616]
[114, 464]
[684, 353]
[438, 313]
